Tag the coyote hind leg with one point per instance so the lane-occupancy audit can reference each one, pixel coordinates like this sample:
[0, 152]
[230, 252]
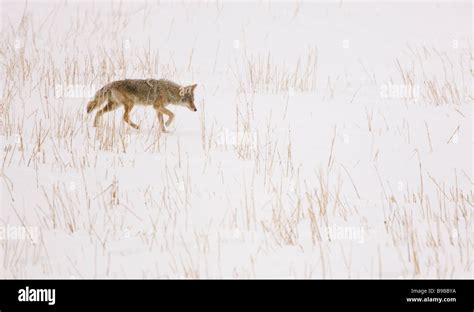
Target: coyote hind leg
[111, 105]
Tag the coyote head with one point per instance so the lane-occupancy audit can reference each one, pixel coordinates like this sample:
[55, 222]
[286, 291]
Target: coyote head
[187, 97]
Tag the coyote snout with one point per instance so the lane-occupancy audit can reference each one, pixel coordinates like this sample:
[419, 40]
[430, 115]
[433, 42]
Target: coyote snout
[187, 95]
[157, 93]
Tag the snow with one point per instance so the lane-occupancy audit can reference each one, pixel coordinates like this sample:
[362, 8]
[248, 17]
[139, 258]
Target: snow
[332, 140]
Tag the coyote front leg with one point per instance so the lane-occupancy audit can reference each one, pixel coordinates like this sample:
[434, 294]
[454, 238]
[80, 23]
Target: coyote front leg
[170, 116]
[160, 120]
[162, 110]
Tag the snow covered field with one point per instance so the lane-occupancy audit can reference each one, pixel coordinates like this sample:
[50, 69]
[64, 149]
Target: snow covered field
[332, 140]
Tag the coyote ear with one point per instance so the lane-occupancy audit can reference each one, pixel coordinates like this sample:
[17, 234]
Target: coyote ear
[192, 87]
[181, 91]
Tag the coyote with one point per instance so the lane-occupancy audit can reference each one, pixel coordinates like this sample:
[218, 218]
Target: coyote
[158, 93]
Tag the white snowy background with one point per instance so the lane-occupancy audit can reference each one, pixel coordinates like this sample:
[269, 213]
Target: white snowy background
[332, 140]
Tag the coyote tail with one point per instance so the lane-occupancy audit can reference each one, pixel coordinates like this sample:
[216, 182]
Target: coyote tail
[98, 99]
